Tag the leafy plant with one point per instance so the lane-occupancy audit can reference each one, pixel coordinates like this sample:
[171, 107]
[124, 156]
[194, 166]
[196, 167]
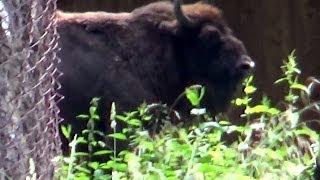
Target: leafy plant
[274, 143]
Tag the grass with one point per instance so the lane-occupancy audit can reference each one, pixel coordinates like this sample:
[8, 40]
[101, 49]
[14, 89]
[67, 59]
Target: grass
[275, 143]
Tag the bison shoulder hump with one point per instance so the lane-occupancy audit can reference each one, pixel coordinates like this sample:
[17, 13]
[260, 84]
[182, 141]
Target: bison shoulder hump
[90, 17]
[202, 10]
[164, 11]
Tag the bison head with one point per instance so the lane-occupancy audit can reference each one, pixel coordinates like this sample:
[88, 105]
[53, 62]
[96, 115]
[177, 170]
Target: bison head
[209, 54]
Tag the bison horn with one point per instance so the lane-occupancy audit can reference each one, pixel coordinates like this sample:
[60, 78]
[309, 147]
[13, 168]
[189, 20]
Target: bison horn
[182, 18]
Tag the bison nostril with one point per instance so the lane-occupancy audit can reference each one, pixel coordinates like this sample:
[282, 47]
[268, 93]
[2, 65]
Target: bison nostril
[246, 63]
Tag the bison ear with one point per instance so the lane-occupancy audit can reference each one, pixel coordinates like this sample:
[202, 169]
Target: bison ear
[210, 34]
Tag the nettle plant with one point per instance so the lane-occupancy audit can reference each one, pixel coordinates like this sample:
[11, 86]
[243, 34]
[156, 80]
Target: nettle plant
[278, 143]
[274, 143]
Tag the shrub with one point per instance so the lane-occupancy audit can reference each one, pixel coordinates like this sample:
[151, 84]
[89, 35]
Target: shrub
[274, 143]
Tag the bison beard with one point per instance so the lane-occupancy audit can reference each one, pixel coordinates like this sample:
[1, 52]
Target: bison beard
[151, 54]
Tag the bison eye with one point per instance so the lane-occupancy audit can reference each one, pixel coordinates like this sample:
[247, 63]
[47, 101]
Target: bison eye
[246, 63]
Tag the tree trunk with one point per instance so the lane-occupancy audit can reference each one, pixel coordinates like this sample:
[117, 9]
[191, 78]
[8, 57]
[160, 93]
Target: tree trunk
[28, 114]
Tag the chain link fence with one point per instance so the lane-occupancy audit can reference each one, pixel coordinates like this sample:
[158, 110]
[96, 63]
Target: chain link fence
[29, 137]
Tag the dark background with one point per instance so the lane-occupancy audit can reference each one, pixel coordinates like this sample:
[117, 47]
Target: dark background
[270, 29]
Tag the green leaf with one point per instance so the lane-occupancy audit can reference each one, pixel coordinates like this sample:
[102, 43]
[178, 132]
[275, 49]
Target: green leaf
[86, 131]
[82, 169]
[132, 113]
[114, 165]
[120, 167]
[193, 96]
[249, 79]
[306, 132]
[83, 117]
[82, 154]
[102, 152]
[147, 118]
[93, 143]
[260, 151]
[118, 136]
[273, 111]
[250, 89]
[105, 165]
[240, 102]
[81, 140]
[134, 122]
[80, 176]
[146, 145]
[95, 117]
[92, 111]
[124, 152]
[299, 87]
[291, 98]
[262, 109]
[66, 130]
[241, 128]
[129, 156]
[121, 118]
[224, 123]
[102, 144]
[95, 101]
[280, 80]
[93, 165]
[274, 155]
[206, 167]
[202, 92]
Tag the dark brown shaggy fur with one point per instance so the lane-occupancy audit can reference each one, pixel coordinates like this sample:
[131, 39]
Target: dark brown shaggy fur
[146, 55]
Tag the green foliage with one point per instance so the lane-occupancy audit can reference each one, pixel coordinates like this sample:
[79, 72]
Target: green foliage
[195, 94]
[290, 76]
[273, 144]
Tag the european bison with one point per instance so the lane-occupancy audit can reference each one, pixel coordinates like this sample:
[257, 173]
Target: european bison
[151, 54]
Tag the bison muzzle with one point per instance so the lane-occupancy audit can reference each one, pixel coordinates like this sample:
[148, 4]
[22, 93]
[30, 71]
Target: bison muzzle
[151, 54]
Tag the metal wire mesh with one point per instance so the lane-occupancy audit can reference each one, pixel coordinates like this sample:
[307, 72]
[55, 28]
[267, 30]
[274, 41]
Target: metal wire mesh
[29, 138]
